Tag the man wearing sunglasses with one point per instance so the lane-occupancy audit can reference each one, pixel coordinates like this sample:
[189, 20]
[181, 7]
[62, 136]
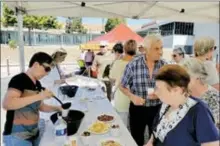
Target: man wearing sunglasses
[101, 60]
[23, 101]
[178, 55]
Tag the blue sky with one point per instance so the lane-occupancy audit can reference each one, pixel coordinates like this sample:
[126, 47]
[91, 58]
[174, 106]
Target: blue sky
[99, 21]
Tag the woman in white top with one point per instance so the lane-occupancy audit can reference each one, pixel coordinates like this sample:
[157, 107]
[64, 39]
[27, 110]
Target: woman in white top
[121, 101]
[204, 50]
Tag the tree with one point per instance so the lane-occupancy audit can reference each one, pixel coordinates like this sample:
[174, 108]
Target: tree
[9, 17]
[68, 26]
[112, 22]
[29, 21]
[74, 24]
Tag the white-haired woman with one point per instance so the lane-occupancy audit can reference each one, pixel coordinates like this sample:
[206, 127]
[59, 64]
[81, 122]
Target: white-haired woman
[204, 50]
[199, 88]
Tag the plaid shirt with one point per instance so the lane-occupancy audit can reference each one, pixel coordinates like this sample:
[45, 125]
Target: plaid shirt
[136, 77]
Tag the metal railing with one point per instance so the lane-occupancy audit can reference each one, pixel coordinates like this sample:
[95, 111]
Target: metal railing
[45, 38]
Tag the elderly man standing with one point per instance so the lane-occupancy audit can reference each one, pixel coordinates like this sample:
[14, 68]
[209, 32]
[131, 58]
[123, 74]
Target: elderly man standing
[101, 60]
[138, 77]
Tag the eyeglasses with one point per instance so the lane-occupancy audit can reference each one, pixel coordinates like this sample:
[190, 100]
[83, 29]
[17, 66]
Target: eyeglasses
[46, 68]
[174, 55]
[102, 46]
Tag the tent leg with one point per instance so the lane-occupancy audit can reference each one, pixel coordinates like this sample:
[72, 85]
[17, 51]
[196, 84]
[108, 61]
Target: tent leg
[20, 39]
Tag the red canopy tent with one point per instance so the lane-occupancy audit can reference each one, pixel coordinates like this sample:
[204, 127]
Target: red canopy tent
[121, 33]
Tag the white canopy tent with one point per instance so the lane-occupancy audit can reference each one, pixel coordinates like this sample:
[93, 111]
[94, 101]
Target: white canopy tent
[175, 11]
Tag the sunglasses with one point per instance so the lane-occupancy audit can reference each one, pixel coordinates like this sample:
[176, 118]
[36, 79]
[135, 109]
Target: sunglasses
[46, 68]
[102, 46]
[174, 55]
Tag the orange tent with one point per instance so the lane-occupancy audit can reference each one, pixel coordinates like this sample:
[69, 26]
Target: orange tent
[121, 33]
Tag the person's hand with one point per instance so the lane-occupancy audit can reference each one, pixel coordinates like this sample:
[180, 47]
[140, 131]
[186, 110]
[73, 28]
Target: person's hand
[152, 96]
[218, 67]
[59, 108]
[138, 101]
[149, 144]
[45, 94]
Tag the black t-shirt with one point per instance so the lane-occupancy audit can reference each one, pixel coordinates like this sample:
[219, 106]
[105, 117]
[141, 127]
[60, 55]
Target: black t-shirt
[20, 82]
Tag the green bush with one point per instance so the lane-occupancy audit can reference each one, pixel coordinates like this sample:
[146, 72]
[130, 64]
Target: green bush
[12, 44]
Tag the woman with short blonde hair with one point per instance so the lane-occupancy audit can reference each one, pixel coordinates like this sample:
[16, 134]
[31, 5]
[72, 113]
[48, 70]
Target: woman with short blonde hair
[204, 49]
[59, 56]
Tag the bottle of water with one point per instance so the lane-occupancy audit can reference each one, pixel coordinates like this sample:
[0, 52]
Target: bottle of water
[60, 130]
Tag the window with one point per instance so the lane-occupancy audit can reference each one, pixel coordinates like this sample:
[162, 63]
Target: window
[184, 28]
[167, 29]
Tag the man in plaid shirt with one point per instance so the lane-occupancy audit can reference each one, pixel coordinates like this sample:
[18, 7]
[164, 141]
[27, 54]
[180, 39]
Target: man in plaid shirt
[139, 75]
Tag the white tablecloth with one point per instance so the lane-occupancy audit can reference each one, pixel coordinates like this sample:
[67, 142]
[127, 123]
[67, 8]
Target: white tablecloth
[96, 104]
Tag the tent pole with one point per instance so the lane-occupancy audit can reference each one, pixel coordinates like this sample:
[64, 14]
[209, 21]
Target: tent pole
[20, 37]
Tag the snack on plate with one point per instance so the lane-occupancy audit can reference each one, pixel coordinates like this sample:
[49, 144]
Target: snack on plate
[99, 127]
[110, 143]
[73, 143]
[105, 118]
[115, 126]
[86, 133]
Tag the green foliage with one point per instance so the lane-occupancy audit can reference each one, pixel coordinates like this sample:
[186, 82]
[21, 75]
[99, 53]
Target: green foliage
[9, 17]
[12, 44]
[112, 22]
[74, 24]
[29, 21]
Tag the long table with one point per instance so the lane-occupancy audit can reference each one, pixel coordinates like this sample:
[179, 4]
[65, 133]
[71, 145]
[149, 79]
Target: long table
[93, 104]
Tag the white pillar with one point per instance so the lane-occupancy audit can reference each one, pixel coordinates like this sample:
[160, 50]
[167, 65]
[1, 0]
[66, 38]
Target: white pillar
[61, 38]
[20, 40]
[34, 38]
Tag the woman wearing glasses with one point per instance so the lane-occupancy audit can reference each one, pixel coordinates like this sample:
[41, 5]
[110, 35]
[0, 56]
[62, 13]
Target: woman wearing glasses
[204, 50]
[178, 55]
[183, 120]
[23, 101]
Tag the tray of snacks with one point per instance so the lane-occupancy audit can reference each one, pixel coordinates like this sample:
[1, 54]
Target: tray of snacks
[99, 127]
[106, 118]
[110, 142]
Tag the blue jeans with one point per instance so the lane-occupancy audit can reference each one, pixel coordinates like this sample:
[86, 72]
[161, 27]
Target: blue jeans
[10, 140]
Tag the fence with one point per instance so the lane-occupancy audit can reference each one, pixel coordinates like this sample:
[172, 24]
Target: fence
[33, 38]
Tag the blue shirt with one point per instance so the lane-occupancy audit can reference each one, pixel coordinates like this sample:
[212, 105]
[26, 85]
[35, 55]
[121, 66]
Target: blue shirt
[196, 127]
[137, 78]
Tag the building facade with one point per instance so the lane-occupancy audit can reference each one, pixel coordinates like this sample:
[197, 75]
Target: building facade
[181, 34]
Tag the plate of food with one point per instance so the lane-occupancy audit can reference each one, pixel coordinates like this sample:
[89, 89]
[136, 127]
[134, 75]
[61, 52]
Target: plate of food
[106, 118]
[110, 142]
[72, 141]
[99, 127]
